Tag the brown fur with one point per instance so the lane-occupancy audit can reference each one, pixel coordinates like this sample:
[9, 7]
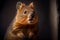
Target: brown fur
[20, 26]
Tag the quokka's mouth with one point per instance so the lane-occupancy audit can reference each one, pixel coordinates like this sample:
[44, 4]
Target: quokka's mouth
[31, 20]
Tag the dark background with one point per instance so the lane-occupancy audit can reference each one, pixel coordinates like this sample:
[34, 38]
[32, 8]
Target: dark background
[8, 11]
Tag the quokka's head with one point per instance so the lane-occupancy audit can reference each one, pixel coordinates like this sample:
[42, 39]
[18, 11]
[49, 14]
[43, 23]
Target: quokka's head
[26, 13]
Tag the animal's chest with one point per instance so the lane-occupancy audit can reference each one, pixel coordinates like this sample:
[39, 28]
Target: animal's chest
[29, 31]
[27, 28]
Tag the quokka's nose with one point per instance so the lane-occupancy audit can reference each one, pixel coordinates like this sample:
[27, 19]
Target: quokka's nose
[32, 16]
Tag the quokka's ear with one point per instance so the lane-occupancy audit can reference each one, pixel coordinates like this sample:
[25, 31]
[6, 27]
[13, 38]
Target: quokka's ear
[31, 5]
[19, 5]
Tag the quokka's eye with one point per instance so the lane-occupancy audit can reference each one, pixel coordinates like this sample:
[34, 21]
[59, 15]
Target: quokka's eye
[25, 12]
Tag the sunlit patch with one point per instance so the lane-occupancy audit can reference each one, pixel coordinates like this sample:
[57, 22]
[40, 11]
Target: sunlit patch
[30, 34]
[20, 34]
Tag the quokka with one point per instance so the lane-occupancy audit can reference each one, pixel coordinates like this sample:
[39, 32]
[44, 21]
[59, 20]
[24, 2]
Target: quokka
[24, 26]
